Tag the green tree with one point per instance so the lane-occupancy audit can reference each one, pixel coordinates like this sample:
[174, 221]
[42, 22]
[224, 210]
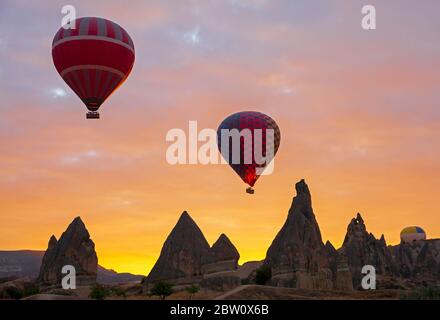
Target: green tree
[263, 275]
[193, 289]
[99, 292]
[162, 289]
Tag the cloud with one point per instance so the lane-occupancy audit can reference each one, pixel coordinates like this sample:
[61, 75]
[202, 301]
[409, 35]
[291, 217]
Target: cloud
[58, 93]
[246, 4]
[286, 90]
[193, 36]
[79, 157]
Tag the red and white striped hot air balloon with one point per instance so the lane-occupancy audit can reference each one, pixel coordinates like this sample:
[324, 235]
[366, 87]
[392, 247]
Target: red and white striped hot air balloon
[94, 59]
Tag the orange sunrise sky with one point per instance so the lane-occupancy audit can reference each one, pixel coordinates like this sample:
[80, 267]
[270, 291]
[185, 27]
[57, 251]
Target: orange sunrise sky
[358, 113]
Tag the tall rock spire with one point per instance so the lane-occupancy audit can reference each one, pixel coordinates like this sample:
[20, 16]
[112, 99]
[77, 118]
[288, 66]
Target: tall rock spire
[297, 256]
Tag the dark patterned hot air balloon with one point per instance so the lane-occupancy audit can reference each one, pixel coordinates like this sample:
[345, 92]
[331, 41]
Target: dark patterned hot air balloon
[94, 59]
[248, 168]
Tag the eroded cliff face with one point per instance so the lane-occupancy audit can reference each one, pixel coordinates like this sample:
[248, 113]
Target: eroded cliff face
[361, 248]
[418, 260]
[399, 266]
[342, 278]
[74, 248]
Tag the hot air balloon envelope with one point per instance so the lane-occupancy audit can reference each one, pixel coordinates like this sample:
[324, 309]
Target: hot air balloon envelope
[249, 171]
[94, 59]
[411, 234]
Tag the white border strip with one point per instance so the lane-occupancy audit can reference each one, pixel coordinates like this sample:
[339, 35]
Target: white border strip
[102, 38]
[92, 66]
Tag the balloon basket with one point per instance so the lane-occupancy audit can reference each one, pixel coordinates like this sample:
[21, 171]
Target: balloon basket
[92, 115]
[250, 190]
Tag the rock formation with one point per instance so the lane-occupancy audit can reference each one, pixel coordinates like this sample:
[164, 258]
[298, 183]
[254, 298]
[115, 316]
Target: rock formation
[297, 256]
[74, 248]
[223, 256]
[186, 258]
[362, 248]
[248, 269]
[418, 260]
[27, 264]
[220, 266]
[182, 255]
[342, 279]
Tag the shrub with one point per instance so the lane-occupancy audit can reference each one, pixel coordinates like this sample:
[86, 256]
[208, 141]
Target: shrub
[193, 289]
[425, 293]
[119, 292]
[30, 291]
[263, 275]
[99, 292]
[13, 293]
[162, 289]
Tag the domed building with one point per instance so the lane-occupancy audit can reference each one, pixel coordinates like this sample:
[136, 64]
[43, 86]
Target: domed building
[410, 234]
